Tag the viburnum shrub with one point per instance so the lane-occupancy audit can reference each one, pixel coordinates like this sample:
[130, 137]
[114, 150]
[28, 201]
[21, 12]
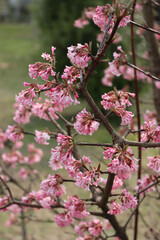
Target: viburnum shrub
[106, 183]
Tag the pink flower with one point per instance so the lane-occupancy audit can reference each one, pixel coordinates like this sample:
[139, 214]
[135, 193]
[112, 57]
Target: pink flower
[115, 208]
[86, 179]
[52, 186]
[76, 207]
[42, 109]
[81, 22]
[151, 132]
[116, 99]
[81, 228]
[22, 114]
[42, 137]
[85, 123]
[144, 182]
[123, 162]
[79, 55]
[119, 59]
[12, 157]
[117, 183]
[95, 227]
[127, 200]
[4, 201]
[12, 220]
[108, 77]
[125, 115]
[43, 70]
[70, 74]
[63, 219]
[3, 138]
[23, 173]
[102, 16]
[47, 202]
[34, 154]
[14, 133]
[26, 96]
[62, 153]
[154, 163]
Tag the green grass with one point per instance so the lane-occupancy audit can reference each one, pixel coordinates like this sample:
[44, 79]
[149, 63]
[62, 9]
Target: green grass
[17, 49]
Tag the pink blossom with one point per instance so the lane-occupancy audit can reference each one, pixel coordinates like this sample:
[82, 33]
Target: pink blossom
[81, 22]
[154, 163]
[4, 201]
[76, 207]
[95, 227]
[108, 77]
[116, 99]
[123, 161]
[151, 132]
[117, 183]
[102, 16]
[63, 219]
[55, 159]
[87, 178]
[26, 96]
[42, 137]
[47, 202]
[62, 153]
[43, 70]
[70, 74]
[125, 115]
[22, 114]
[81, 228]
[12, 220]
[23, 173]
[143, 183]
[79, 55]
[3, 138]
[119, 59]
[34, 154]
[115, 208]
[42, 109]
[14, 133]
[12, 157]
[52, 186]
[127, 200]
[85, 123]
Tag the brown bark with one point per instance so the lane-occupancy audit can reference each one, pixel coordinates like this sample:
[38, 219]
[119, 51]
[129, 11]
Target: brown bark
[154, 55]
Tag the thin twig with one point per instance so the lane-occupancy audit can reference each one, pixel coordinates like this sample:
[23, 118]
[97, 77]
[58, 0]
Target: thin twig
[145, 27]
[148, 74]
[105, 33]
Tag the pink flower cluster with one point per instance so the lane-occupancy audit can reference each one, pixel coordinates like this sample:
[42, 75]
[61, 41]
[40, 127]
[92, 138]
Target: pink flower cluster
[62, 153]
[151, 132]
[127, 202]
[22, 114]
[76, 209]
[43, 70]
[92, 229]
[52, 186]
[78, 55]
[85, 123]
[42, 137]
[145, 182]
[117, 102]
[101, 17]
[3, 138]
[14, 133]
[154, 163]
[123, 161]
[26, 96]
